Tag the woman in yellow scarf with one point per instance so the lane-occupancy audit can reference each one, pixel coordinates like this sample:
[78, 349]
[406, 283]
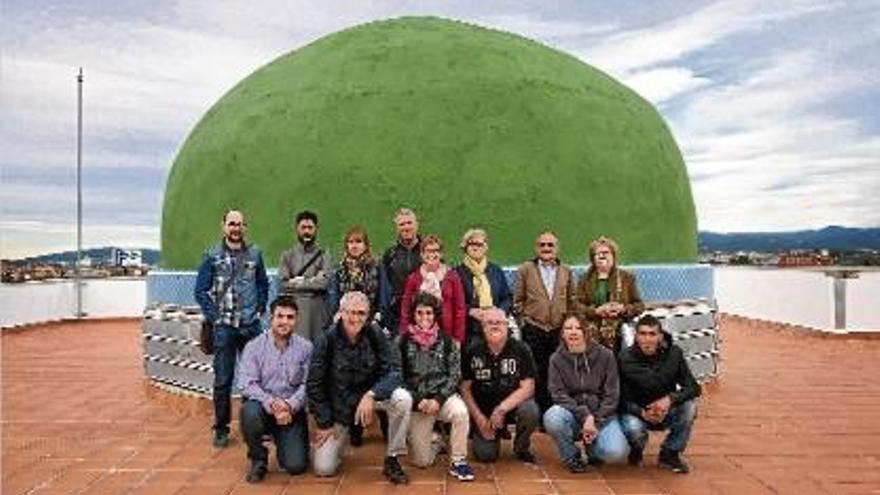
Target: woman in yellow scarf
[485, 284]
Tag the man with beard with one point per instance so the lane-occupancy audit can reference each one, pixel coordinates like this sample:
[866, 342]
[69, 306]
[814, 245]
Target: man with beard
[232, 289]
[303, 272]
[272, 377]
[397, 263]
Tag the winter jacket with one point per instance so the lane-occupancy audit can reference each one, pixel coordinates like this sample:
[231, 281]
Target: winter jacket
[585, 384]
[342, 372]
[397, 263]
[644, 379]
[430, 374]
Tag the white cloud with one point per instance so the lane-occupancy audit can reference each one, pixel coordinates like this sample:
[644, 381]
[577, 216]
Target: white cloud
[663, 84]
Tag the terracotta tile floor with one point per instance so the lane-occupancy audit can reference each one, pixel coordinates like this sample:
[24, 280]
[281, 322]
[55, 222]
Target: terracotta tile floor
[793, 413]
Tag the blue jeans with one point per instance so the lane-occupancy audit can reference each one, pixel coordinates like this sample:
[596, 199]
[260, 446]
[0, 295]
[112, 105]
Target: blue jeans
[678, 421]
[610, 444]
[291, 441]
[228, 343]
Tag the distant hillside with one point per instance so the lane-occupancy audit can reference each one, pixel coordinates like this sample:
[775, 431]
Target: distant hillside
[149, 256]
[833, 238]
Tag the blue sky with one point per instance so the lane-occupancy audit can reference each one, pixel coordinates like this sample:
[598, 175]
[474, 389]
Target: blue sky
[775, 105]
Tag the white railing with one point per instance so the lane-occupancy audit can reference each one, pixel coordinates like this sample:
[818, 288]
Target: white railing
[36, 302]
[800, 297]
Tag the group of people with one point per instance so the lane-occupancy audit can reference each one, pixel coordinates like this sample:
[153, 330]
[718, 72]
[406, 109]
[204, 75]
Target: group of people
[426, 348]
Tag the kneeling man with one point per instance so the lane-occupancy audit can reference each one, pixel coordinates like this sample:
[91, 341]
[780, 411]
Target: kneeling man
[272, 378]
[658, 392]
[354, 372]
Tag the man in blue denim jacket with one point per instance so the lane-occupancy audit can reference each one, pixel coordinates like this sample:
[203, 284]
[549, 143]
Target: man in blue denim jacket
[232, 289]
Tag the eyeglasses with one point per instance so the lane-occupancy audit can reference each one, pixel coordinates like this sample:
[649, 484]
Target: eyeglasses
[546, 244]
[356, 312]
[603, 253]
[431, 250]
[476, 244]
[235, 224]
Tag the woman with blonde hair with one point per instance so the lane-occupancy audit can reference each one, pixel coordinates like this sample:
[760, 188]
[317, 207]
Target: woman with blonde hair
[485, 285]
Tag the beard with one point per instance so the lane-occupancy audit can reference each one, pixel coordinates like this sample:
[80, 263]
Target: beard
[308, 241]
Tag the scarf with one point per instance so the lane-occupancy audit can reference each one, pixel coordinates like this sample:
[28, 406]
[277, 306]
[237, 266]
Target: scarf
[423, 337]
[431, 281]
[482, 289]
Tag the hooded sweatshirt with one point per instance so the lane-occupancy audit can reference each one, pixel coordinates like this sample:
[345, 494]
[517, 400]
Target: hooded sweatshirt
[644, 379]
[585, 383]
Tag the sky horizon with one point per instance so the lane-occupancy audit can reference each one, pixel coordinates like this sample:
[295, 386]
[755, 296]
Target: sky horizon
[774, 106]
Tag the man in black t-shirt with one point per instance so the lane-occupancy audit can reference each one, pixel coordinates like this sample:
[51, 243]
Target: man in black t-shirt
[498, 386]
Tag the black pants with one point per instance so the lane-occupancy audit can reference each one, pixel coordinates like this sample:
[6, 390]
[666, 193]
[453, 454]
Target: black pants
[543, 344]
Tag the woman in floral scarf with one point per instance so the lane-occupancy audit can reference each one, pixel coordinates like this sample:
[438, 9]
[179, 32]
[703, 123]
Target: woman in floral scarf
[442, 282]
[358, 271]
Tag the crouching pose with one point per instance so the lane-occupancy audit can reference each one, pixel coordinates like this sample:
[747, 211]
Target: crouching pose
[498, 386]
[584, 385]
[658, 392]
[353, 373]
[431, 366]
[272, 378]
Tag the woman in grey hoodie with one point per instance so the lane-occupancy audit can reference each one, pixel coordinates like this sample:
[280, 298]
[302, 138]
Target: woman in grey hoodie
[583, 381]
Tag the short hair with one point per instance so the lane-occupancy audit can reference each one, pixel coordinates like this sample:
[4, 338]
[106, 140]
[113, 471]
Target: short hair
[546, 232]
[603, 241]
[361, 233]
[404, 212]
[228, 211]
[426, 299]
[649, 320]
[352, 297]
[283, 301]
[432, 239]
[306, 215]
[470, 234]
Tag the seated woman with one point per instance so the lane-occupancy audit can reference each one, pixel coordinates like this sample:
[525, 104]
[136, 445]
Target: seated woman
[485, 285]
[437, 279]
[585, 387]
[358, 271]
[606, 295]
[431, 366]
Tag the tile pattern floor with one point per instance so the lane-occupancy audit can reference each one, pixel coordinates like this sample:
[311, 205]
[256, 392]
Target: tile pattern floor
[793, 413]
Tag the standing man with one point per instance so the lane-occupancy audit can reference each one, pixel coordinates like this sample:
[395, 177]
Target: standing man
[658, 392]
[397, 263]
[498, 382]
[272, 378]
[304, 272]
[232, 289]
[544, 293]
[354, 372]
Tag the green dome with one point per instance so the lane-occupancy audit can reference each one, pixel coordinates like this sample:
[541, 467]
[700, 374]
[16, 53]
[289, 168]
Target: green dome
[466, 125]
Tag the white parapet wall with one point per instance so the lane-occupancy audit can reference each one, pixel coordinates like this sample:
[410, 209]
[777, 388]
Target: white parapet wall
[798, 296]
[36, 302]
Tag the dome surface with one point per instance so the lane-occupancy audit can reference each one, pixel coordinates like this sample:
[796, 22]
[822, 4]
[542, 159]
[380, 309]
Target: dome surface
[466, 125]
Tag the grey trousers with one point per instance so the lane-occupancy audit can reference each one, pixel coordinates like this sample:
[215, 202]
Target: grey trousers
[327, 458]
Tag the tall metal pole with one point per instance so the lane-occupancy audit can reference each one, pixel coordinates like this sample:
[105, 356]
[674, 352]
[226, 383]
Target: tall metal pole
[79, 121]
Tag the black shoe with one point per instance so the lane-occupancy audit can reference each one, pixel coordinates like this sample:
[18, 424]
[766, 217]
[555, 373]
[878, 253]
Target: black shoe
[576, 465]
[356, 435]
[221, 439]
[526, 457]
[256, 473]
[669, 459]
[635, 457]
[394, 472]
